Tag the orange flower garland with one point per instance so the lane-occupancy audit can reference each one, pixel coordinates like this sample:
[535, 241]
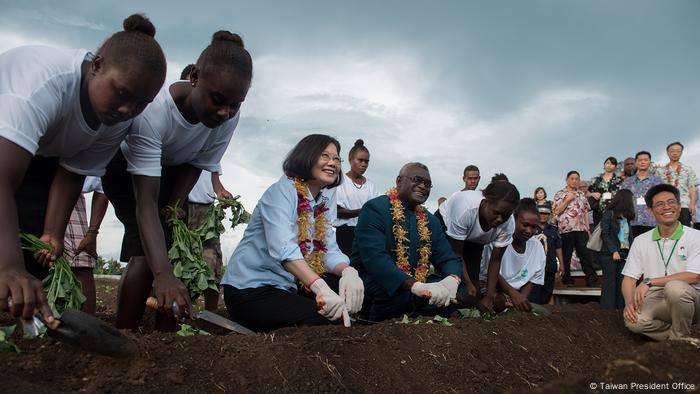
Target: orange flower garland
[314, 256]
[402, 242]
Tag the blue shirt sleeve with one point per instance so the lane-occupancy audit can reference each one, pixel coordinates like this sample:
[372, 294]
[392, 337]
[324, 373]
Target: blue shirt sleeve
[278, 212]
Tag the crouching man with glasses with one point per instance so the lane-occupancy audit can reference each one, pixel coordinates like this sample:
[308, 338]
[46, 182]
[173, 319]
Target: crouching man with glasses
[667, 301]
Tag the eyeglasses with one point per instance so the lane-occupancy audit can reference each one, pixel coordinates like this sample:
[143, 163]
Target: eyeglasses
[419, 179]
[664, 204]
[326, 158]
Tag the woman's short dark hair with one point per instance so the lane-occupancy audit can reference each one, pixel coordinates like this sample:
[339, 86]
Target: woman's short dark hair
[663, 187]
[622, 204]
[304, 156]
[611, 159]
[502, 191]
[534, 195]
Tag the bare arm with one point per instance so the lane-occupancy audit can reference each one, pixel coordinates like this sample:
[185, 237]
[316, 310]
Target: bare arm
[219, 188]
[16, 283]
[344, 213]
[301, 270]
[630, 312]
[187, 176]
[457, 246]
[687, 277]
[97, 214]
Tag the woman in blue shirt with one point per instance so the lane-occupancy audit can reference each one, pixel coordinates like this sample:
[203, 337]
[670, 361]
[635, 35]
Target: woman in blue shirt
[289, 250]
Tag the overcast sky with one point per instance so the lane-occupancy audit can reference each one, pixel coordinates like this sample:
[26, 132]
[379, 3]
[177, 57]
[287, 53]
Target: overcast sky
[529, 88]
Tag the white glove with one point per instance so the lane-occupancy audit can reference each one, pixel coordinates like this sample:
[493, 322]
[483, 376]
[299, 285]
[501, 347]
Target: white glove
[439, 294]
[451, 283]
[351, 289]
[332, 306]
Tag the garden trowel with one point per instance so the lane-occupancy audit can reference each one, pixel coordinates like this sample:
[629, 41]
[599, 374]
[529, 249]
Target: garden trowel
[211, 317]
[84, 331]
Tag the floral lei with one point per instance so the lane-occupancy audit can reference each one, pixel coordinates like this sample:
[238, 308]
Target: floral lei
[402, 241]
[313, 257]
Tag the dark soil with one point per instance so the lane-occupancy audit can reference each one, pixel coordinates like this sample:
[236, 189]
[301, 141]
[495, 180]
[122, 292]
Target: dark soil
[565, 352]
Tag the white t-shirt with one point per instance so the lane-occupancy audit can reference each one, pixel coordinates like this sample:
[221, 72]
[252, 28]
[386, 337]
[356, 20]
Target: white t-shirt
[461, 215]
[93, 184]
[202, 190]
[40, 109]
[645, 259]
[518, 269]
[162, 137]
[350, 196]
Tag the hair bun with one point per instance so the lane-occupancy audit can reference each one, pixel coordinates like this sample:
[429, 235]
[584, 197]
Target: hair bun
[139, 23]
[359, 142]
[225, 35]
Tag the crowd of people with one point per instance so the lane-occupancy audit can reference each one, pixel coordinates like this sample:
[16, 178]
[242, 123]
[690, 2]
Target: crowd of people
[321, 246]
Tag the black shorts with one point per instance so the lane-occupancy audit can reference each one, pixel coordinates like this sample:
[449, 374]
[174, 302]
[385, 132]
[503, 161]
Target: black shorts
[31, 199]
[119, 189]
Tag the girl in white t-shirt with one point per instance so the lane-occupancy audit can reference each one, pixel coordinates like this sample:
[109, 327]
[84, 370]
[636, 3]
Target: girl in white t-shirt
[351, 195]
[476, 218]
[63, 114]
[523, 262]
[185, 130]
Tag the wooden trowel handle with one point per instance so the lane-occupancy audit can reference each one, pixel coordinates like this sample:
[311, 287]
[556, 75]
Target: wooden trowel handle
[152, 302]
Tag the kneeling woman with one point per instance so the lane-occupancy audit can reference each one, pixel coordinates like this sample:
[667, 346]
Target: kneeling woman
[289, 249]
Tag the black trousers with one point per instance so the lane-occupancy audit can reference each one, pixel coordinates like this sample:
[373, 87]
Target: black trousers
[611, 293]
[576, 240]
[345, 235]
[541, 294]
[268, 308]
[31, 200]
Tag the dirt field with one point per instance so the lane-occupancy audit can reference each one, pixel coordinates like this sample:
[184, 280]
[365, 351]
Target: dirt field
[569, 351]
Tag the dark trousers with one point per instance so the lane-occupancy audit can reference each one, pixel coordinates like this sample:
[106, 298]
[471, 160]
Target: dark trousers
[31, 199]
[345, 235]
[268, 308]
[611, 294]
[636, 231]
[541, 294]
[472, 253]
[685, 218]
[382, 306]
[576, 240]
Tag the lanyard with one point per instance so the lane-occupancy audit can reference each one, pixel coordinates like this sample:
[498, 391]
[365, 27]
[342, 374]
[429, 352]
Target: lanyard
[664, 260]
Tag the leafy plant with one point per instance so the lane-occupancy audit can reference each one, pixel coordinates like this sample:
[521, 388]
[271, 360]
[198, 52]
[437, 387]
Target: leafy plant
[435, 320]
[187, 331]
[6, 346]
[63, 290]
[109, 267]
[475, 312]
[212, 228]
[186, 255]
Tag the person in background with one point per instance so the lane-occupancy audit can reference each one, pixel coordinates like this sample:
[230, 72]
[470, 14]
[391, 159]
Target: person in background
[603, 188]
[629, 168]
[571, 208]
[396, 244]
[551, 240]
[614, 232]
[683, 178]
[471, 177]
[351, 195]
[639, 184]
[540, 196]
[667, 301]
[288, 270]
[81, 239]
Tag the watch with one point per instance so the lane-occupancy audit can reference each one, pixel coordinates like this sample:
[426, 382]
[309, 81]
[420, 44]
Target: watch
[647, 281]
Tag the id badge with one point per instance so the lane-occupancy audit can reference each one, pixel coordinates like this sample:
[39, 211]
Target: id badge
[640, 201]
[606, 196]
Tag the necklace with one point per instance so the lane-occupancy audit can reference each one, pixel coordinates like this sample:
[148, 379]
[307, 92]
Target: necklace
[356, 185]
[401, 238]
[313, 250]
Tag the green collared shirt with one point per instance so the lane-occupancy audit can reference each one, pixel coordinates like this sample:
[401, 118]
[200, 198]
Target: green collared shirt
[677, 233]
